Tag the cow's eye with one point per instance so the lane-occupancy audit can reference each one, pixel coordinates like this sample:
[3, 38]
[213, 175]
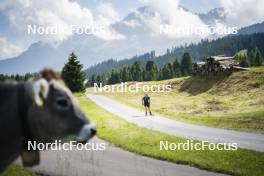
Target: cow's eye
[62, 103]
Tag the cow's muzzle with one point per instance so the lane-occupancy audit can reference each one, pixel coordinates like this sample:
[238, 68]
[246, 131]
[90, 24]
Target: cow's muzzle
[86, 133]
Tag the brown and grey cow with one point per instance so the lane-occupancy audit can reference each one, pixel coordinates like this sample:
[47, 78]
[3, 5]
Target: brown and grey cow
[42, 110]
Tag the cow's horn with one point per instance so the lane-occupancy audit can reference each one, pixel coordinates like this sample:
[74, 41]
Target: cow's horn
[40, 91]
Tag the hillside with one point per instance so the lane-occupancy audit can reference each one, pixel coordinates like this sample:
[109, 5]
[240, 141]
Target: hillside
[255, 28]
[227, 45]
[232, 102]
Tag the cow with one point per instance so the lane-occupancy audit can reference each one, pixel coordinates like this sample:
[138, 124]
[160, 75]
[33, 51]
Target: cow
[41, 110]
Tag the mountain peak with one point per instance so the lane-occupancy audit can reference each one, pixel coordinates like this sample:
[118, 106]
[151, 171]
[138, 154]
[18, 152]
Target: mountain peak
[214, 15]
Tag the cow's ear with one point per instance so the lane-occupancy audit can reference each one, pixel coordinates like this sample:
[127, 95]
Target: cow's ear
[40, 91]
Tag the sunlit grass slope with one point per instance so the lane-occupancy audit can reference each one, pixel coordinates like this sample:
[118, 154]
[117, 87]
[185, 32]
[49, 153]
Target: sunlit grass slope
[232, 102]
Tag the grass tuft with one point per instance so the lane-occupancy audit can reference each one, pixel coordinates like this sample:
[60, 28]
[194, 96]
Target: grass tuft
[15, 170]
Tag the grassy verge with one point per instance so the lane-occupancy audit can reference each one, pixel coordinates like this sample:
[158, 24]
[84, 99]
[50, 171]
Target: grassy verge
[15, 170]
[231, 102]
[146, 142]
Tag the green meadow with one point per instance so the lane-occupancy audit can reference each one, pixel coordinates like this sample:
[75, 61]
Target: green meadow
[147, 142]
[233, 101]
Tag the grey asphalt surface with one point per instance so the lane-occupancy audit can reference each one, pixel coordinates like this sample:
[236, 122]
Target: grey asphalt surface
[110, 162]
[244, 140]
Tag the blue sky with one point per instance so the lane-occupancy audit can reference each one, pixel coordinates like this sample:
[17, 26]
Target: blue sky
[200, 6]
[123, 7]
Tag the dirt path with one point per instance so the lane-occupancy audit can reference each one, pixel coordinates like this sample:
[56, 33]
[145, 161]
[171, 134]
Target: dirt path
[245, 140]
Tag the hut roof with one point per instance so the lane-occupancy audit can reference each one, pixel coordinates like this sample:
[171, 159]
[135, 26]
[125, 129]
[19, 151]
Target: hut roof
[220, 58]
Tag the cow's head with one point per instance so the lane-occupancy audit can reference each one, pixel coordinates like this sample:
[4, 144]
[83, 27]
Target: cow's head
[55, 113]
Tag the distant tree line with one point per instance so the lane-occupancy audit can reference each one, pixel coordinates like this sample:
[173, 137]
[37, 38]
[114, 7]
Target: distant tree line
[17, 77]
[249, 58]
[151, 71]
[229, 46]
[148, 72]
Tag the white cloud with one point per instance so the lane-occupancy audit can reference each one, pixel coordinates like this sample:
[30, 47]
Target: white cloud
[168, 12]
[243, 12]
[62, 13]
[7, 49]
[105, 16]
[106, 11]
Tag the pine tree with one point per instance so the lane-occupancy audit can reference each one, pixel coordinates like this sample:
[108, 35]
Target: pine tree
[186, 64]
[114, 77]
[92, 80]
[103, 79]
[243, 62]
[242, 58]
[165, 72]
[171, 72]
[176, 68]
[251, 58]
[151, 71]
[123, 74]
[73, 75]
[258, 58]
[129, 76]
[98, 79]
[136, 71]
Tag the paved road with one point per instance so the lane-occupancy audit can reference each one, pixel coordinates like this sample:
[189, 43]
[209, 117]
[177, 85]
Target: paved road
[110, 162]
[245, 140]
